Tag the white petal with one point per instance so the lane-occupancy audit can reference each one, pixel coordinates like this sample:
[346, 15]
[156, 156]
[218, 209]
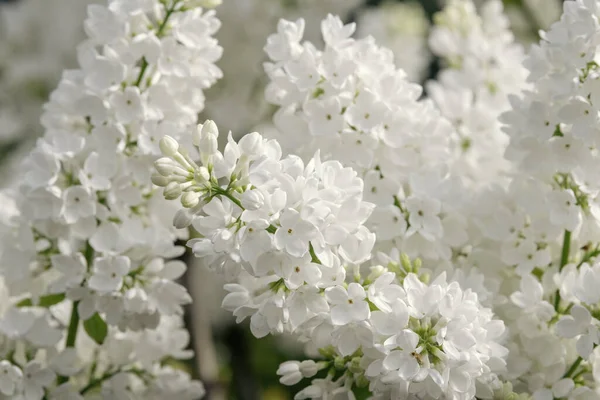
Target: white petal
[581, 315]
[336, 295]
[356, 291]
[585, 346]
[409, 368]
[407, 340]
[563, 387]
[341, 315]
[464, 339]
[567, 328]
[393, 361]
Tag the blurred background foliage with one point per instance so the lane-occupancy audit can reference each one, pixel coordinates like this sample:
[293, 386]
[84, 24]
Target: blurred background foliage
[30, 65]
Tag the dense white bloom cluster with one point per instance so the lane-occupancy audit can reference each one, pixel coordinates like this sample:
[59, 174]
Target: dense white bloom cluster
[289, 233]
[402, 28]
[483, 66]
[87, 257]
[349, 100]
[273, 223]
[512, 233]
[242, 88]
[352, 103]
[550, 228]
[314, 232]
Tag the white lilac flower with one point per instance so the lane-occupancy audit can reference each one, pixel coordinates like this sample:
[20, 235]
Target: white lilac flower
[439, 321]
[363, 112]
[83, 254]
[288, 242]
[550, 224]
[293, 372]
[242, 88]
[87, 243]
[482, 67]
[10, 378]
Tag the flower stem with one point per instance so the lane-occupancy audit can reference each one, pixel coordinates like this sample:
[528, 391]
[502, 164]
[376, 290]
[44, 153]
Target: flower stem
[574, 366]
[163, 25]
[96, 382]
[588, 256]
[73, 325]
[74, 321]
[225, 193]
[564, 259]
[222, 192]
[138, 81]
[71, 335]
[159, 34]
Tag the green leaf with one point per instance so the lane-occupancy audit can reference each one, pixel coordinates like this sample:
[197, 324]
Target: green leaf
[96, 328]
[45, 301]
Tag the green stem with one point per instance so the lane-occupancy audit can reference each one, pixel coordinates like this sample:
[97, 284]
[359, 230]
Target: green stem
[398, 204]
[159, 33]
[225, 193]
[89, 255]
[581, 372]
[73, 325]
[588, 256]
[163, 25]
[71, 335]
[564, 259]
[557, 300]
[74, 321]
[573, 368]
[96, 382]
[140, 76]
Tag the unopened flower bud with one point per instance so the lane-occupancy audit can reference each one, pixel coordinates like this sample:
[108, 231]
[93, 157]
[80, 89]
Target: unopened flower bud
[202, 175]
[252, 200]
[361, 381]
[210, 128]
[197, 135]
[183, 219]
[417, 265]
[354, 366]
[290, 373]
[405, 261]
[308, 368]
[190, 199]
[160, 180]
[208, 145]
[339, 363]
[172, 191]
[165, 166]
[251, 144]
[168, 146]
[376, 272]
